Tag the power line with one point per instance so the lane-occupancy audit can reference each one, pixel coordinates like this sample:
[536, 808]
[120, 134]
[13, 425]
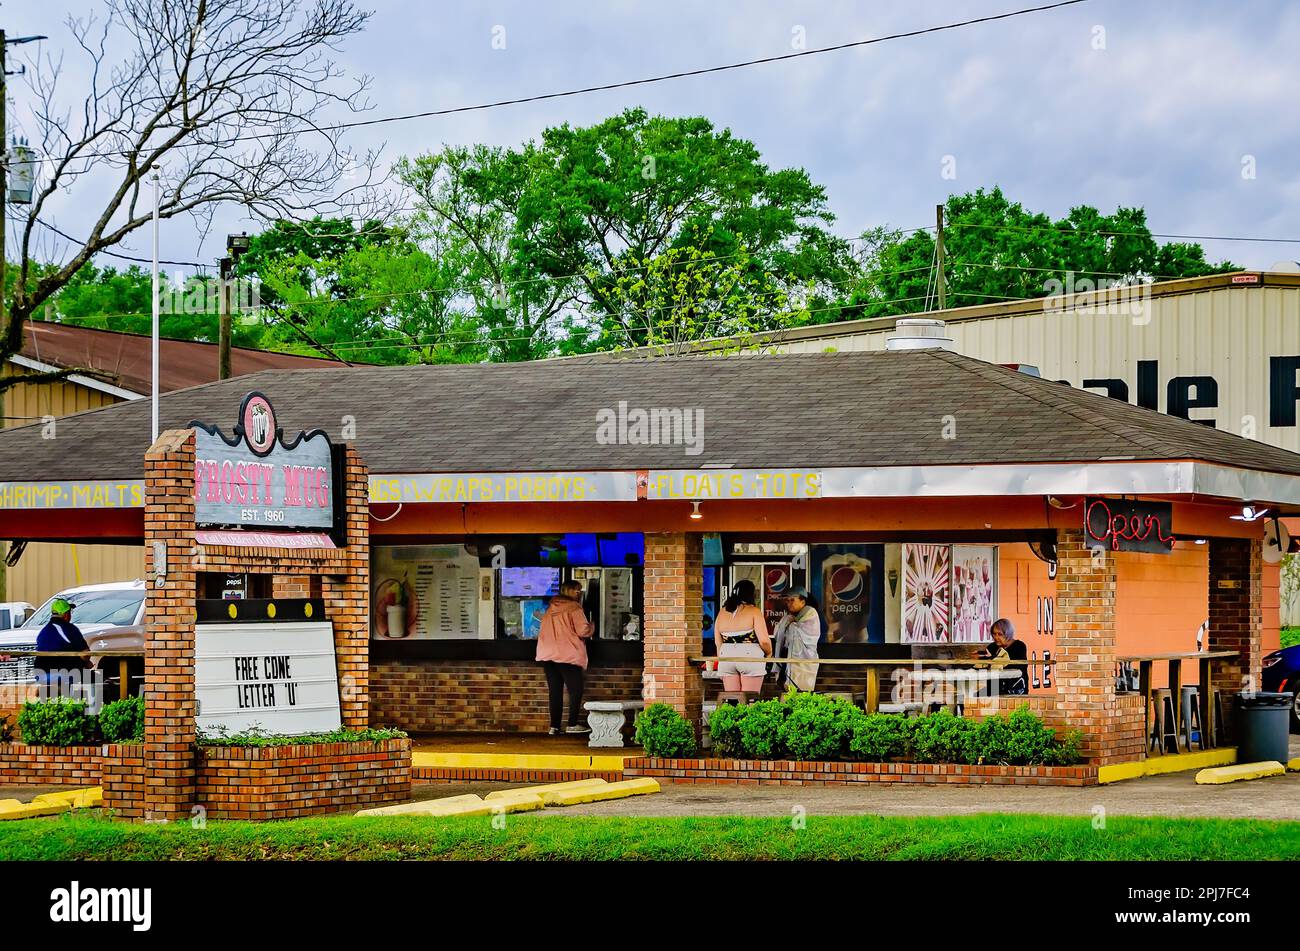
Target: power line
[115, 254]
[1126, 234]
[629, 83]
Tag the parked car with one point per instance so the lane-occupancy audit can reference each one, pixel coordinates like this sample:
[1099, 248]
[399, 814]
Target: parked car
[99, 609]
[1281, 674]
[13, 613]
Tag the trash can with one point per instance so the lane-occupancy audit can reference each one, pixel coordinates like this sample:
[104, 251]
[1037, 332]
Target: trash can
[1263, 727]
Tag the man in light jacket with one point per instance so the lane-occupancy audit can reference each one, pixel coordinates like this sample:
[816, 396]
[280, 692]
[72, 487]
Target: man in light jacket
[562, 652]
[796, 637]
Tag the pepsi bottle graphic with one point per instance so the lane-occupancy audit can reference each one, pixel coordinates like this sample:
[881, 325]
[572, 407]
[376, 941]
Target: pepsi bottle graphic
[846, 586]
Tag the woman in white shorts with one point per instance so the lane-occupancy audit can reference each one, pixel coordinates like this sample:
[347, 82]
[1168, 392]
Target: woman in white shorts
[740, 631]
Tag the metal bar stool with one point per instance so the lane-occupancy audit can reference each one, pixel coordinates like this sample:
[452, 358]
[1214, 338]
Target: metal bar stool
[1164, 736]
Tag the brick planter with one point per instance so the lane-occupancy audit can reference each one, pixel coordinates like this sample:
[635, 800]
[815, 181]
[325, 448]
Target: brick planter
[272, 782]
[23, 765]
[735, 772]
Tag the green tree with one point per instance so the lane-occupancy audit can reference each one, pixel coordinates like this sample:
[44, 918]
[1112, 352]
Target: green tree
[997, 250]
[367, 293]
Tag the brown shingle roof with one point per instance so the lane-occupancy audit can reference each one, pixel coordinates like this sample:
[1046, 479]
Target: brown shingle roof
[181, 363]
[824, 410]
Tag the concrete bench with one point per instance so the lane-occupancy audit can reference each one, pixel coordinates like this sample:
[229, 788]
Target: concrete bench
[606, 719]
[912, 709]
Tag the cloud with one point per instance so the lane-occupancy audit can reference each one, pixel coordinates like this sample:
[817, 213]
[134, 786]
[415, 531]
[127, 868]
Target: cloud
[1160, 117]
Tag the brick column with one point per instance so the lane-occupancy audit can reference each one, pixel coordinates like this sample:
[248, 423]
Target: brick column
[169, 730]
[1236, 616]
[1085, 658]
[674, 605]
[347, 599]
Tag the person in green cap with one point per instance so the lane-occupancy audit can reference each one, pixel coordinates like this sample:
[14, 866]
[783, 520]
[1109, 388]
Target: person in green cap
[61, 635]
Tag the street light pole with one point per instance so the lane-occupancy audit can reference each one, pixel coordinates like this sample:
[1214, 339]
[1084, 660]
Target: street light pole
[153, 376]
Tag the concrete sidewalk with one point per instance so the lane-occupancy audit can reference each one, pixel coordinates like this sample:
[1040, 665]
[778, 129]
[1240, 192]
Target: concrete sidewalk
[1171, 795]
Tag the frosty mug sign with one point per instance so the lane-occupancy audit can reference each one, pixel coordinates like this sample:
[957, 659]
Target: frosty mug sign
[255, 479]
[1122, 525]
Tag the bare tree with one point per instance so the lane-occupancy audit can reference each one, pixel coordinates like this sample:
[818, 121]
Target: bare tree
[229, 101]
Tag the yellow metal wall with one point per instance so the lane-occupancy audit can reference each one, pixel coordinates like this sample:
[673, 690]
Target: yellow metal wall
[46, 568]
[1228, 333]
[28, 403]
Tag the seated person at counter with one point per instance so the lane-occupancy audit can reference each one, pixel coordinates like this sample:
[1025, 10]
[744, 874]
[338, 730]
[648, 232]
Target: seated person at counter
[1006, 647]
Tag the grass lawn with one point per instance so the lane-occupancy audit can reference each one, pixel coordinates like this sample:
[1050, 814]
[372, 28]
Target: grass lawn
[991, 836]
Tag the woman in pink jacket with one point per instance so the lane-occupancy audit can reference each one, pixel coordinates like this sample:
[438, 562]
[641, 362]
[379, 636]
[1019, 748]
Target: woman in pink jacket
[562, 651]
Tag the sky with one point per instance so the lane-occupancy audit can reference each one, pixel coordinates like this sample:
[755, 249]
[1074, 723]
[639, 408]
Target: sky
[1185, 107]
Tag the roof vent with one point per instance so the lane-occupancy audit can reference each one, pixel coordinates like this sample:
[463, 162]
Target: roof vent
[919, 333]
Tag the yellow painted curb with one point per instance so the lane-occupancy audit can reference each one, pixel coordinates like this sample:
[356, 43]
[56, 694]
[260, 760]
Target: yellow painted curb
[1294, 765]
[33, 809]
[1231, 774]
[548, 789]
[516, 761]
[419, 808]
[629, 787]
[1168, 763]
[460, 806]
[90, 798]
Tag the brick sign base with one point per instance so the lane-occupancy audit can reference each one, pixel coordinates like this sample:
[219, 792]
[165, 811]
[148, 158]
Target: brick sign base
[735, 772]
[271, 782]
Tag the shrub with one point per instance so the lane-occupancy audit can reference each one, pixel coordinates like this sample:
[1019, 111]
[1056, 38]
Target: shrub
[760, 730]
[664, 732]
[122, 721]
[6, 729]
[880, 737]
[257, 736]
[60, 722]
[815, 727]
[1022, 739]
[724, 728]
[941, 737]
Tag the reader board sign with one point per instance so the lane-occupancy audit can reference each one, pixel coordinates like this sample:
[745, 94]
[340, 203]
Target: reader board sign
[255, 479]
[280, 677]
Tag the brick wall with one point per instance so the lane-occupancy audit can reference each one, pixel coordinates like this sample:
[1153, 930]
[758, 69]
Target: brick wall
[123, 780]
[343, 577]
[1236, 616]
[270, 782]
[674, 567]
[473, 696]
[1085, 638]
[786, 773]
[23, 765]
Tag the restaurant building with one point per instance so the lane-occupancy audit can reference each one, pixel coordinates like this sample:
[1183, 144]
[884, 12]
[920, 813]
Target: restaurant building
[919, 495]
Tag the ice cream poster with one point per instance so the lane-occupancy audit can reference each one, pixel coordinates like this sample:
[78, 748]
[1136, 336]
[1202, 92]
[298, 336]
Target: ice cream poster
[927, 571]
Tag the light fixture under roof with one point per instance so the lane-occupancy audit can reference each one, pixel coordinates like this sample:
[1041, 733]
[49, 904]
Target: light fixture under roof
[695, 509]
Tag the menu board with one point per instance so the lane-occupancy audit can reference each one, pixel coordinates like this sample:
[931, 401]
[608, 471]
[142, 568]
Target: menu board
[424, 592]
[616, 601]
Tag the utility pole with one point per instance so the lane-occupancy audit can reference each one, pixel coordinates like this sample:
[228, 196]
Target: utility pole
[938, 257]
[5, 42]
[224, 269]
[236, 245]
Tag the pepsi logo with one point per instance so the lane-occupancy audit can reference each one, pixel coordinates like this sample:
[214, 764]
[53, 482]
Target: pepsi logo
[777, 580]
[846, 583]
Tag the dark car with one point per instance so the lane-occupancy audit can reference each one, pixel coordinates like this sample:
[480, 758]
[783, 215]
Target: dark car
[1282, 675]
